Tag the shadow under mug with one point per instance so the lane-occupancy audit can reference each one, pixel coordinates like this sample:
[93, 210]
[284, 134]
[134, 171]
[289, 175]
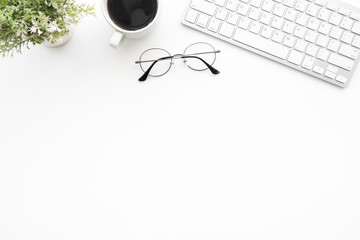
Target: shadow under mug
[121, 33]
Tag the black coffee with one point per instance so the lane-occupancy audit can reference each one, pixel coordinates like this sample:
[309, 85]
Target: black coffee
[132, 14]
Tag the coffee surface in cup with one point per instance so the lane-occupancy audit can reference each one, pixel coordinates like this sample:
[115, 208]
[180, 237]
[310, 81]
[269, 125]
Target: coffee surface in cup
[132, 15]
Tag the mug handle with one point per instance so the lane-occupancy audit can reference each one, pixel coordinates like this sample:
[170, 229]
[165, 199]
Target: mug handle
[116, 39]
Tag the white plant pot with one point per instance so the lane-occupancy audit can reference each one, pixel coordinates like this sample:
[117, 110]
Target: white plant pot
[61, 41]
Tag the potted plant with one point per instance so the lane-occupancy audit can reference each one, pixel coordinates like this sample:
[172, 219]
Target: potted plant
[25, 22]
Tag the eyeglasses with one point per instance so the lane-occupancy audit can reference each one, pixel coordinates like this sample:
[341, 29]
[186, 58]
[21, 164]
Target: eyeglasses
[157, 62]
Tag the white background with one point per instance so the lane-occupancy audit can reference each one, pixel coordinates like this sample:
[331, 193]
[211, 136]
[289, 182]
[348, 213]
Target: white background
[260, 151]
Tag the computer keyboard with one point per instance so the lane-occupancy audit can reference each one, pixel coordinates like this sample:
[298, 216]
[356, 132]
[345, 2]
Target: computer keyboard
[318, 37]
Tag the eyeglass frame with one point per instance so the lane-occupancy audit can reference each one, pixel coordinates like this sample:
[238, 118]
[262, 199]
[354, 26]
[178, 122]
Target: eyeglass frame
[177, 56]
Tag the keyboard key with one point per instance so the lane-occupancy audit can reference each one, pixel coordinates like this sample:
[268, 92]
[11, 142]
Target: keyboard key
[312, 50]
[355, 16]
[333, 45]
[348, 51]
[254, 14]
[300, 45]
[289, 3]
[356, 42]
[226, 30]
[318, 70]
[322, 41]
[296, 57]
[302, 19]
[267, 32]
[214, 25]
[243, 9]
[347, 37]
[308, 63]
[202, 20]
[265, 18]
[321, 3]
[330, 75]
[278, 36]
[233, 18]
[344, 11]
[323, 54]
[191, 16]
[244, 23]
[290, 14]
[221, 14]
[341, 61]
[279, 10]
[332, 69]
[313, 24]
[289, 41]
[301, 5]
[332, 6]
[277, 23]
[261, 44]
[255, 27]
[299, 32]
[335, 19]
[346, 23]
[203, 6]
[356, 28]
[268, 6]
[256, 3]
[341, 79]
[336, 33]
[312, 10]
[288, 27]
[324, 14]
[311, 36]
[325, 28]
[220, 3]
[231, 5]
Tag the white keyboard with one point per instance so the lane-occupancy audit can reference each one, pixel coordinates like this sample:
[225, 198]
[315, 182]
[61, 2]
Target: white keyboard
[318, 37]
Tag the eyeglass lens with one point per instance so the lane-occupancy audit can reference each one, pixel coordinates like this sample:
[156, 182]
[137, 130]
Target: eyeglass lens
[151, 55]
[202, 50]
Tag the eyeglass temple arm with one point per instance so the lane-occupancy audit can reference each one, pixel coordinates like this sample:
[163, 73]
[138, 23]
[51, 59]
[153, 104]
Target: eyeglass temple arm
[146, 74]
[211, 68]
[138, 62]
[200, 53]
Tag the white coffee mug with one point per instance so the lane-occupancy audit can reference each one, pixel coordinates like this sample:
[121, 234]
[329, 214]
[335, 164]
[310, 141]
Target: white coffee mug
[121, 33]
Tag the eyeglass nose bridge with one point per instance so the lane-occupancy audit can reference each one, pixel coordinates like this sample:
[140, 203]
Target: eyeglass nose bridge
[177, 56]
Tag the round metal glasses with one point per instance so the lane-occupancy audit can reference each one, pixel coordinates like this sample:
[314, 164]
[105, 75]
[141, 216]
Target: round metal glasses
[157, 62]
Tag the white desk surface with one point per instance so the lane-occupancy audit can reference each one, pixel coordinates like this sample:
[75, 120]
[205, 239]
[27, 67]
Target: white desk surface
[260, 151]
